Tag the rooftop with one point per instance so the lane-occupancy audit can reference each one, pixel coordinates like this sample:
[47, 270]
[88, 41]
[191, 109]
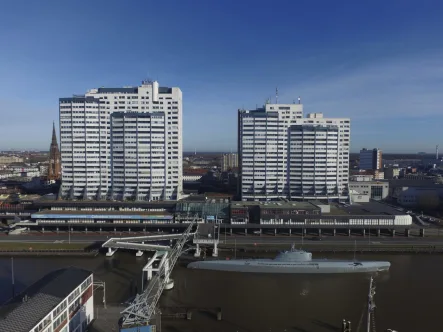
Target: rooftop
[106, 203]
[369, 208]
[118, 90]
[414, 183]
[379, 182]
[278, 205]
[195, 171]
[102, 213]
[43, 297]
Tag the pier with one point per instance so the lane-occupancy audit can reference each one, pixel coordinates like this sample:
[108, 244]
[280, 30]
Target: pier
[144, 307]
[207, 235]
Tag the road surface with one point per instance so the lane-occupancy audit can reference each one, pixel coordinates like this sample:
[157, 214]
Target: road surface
[239, 240]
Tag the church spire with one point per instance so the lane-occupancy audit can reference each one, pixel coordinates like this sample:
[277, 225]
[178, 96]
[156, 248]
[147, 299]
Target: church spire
[54, 167]
[54, 135]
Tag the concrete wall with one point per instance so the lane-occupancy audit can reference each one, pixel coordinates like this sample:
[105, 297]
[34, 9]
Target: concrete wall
[369, 188]
[324, 208]
[359, 198]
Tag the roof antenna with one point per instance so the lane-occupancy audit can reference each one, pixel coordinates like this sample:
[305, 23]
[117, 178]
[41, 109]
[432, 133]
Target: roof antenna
[299, 100]
[276, 95]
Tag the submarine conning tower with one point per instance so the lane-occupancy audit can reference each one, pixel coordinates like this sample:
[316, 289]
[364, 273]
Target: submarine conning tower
[294, 256]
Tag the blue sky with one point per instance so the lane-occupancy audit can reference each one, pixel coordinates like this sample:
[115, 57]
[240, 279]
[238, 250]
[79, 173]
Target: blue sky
[378, 62]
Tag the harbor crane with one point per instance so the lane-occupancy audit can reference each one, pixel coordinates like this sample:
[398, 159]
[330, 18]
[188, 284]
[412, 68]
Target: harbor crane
[142, 309]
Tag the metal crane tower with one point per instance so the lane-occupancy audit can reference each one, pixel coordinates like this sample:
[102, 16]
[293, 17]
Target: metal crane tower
[142, 308]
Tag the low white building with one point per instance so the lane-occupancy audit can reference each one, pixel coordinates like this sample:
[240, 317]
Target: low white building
[61, 301]
[376, 190]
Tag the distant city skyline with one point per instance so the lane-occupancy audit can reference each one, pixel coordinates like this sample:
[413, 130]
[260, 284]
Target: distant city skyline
[432, 153]
[378, 63]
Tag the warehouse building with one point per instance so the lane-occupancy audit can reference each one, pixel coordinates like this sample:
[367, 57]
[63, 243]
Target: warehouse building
[61, 301]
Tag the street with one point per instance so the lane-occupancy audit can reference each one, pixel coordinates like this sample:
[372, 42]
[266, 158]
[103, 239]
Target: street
[250, 239]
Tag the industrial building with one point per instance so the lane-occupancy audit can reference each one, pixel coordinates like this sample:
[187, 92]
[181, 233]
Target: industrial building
[61, 301]
[283, 155]
[107, 155]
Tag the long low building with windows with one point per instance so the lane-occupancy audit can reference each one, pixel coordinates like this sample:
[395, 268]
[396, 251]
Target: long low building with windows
[171, 215]
[61, 301]
[318, 214]
[102, 217]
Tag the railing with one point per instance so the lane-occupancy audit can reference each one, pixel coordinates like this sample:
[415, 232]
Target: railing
[141, 310]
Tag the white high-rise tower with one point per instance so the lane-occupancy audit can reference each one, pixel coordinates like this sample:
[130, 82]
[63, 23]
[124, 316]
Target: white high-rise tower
[122, 143]
[263, 150]
[283, 155]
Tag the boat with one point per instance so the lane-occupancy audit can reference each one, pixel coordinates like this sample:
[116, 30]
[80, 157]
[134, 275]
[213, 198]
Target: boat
[292, 261]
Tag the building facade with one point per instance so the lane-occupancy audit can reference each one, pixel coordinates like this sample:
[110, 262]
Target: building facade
[371, 159]
[361, 178]
[62, 301]
[391, 172]
[376, 190]
[139, 157]
[420, 197]
[91, 160]
[191, 178]
[54, 165]
[282, 154]
[263, 150]
[229, 161]
[318, 159]
[5, 159]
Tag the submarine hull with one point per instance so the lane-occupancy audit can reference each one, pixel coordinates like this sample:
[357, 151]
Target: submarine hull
[272, 266]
